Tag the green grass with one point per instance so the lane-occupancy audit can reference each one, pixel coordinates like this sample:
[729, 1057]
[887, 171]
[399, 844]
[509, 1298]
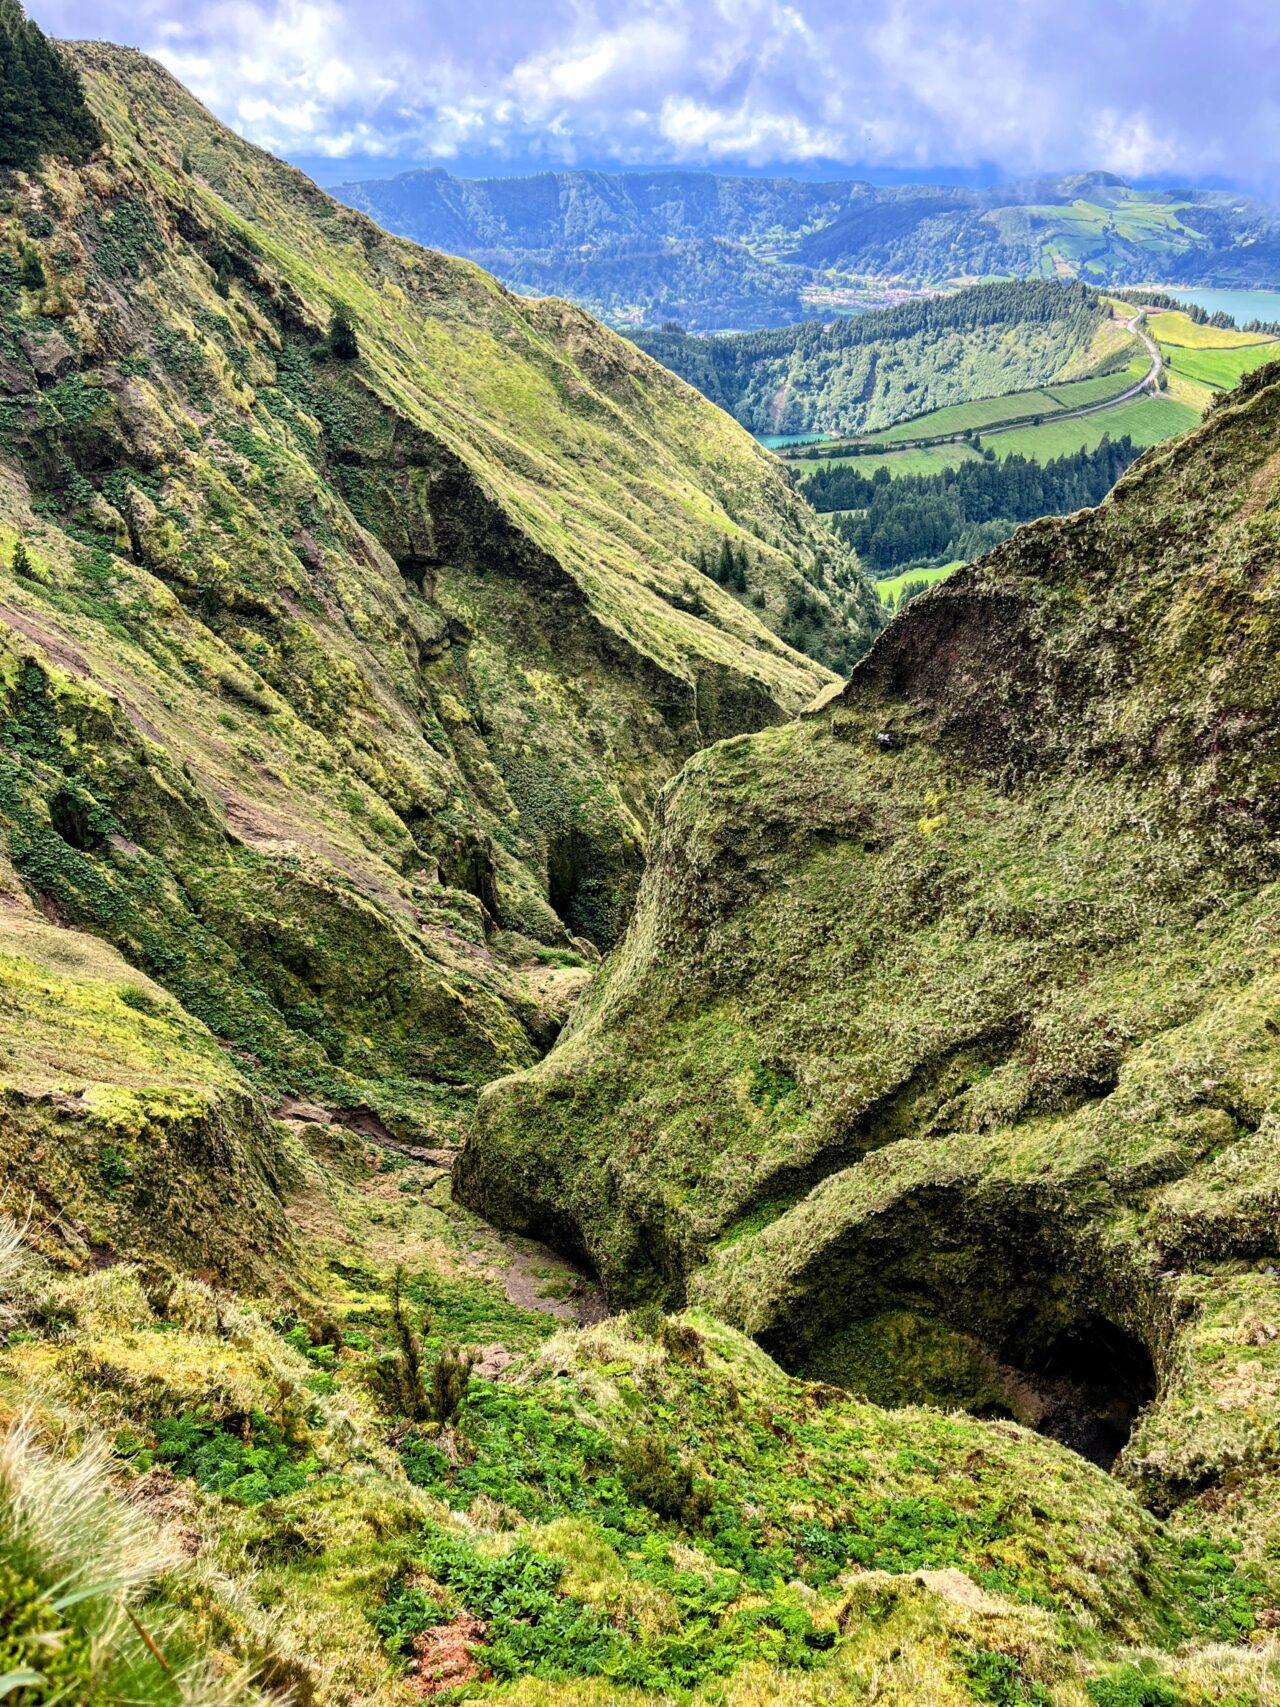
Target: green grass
[1175, 327]
[983, 412]
[889, 590]
[926, 459]
[1221, 368]
[1082, 393]
[1146, 420]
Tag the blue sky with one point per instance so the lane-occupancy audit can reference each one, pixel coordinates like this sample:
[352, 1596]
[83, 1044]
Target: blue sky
[1165, 89]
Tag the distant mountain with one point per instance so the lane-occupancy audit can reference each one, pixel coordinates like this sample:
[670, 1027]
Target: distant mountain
[720, 253]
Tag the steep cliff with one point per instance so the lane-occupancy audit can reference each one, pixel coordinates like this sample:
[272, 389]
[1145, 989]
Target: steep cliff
[351, 617]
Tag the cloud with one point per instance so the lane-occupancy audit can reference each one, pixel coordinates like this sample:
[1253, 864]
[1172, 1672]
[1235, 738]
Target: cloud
[1134, 86]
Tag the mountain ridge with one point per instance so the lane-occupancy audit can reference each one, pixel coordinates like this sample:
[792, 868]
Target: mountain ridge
[721, 253]
[335, 689]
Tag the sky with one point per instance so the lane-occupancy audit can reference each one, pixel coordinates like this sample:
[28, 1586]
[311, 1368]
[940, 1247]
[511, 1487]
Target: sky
[1159, 90]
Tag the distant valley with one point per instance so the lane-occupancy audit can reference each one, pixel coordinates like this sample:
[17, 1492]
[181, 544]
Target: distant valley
[720, 253]
[928, 432]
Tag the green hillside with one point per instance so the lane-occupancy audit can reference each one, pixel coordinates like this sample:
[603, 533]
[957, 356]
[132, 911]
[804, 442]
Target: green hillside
[382, 657]
[364, 632]
[867, 373]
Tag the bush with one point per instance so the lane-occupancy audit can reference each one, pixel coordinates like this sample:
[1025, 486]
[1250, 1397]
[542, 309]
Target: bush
[343, 342]
[247, 1467]
[999, 1679]
[401, 1377]
[1131, 1687]
[667, 1486]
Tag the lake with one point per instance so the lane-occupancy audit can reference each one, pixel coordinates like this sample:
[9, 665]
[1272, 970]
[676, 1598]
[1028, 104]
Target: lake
[1241, 305]
[776, 441]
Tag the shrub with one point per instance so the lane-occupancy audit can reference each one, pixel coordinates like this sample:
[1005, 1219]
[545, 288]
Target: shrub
[32, 273]
[666, 1485]
[1131, 1687]
[999, 1678]
[402, 1377]
[248, 1467]
[343, 342]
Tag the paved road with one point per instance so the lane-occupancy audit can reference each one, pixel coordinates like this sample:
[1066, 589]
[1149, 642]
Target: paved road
[1137, 325]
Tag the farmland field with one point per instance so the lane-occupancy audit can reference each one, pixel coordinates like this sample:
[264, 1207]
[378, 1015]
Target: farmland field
[1146, 420]
[1081, 393]
[889, 590]
[925, 459]
[968, 417]
[1221, 368]
[1180, 330]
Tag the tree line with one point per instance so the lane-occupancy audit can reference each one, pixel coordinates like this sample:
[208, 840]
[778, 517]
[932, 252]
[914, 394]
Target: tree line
[959, 512]
[1195, 313]
[42, 105]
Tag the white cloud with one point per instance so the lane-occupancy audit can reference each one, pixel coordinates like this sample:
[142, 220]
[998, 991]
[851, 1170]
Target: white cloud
[1136, 86]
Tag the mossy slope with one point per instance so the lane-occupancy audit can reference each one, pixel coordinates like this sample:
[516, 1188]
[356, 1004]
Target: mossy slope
[957, 996]
[335, 693]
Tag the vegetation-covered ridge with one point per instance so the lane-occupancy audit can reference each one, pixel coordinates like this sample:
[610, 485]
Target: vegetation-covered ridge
[350, 621]
[718, 252]
[940, 1055]
[873, 370]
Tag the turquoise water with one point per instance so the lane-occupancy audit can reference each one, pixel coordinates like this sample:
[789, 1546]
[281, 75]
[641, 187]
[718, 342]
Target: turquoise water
[775, 441]
[1241, 305]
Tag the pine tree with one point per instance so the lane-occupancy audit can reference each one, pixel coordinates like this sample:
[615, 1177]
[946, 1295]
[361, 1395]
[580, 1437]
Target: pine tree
[725, 564]
[42, 104]
[740, 571]
[21, 561]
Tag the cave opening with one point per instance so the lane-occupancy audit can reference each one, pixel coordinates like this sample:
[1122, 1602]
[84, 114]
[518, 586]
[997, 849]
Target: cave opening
[976, 1302]
[1093, 1382]
[1084, 1384]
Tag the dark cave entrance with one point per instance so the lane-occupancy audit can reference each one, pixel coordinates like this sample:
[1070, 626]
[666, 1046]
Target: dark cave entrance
[964, 1303]
[1094, 1382]
[1084, 1385]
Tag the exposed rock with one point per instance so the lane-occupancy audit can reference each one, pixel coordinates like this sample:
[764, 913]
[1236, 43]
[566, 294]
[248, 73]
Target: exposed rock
[51, 356]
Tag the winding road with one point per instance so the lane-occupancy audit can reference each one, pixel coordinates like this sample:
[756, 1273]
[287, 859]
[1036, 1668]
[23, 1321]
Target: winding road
[1137, 325]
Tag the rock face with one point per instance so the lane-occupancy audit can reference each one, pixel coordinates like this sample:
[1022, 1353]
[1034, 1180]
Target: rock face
[335, 693]
[943, 1052]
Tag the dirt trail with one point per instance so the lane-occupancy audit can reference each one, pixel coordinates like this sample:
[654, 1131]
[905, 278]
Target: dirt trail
[533, 1276]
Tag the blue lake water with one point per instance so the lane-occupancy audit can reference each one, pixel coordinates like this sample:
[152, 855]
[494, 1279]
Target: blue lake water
[1241, 305]
[775, 441]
